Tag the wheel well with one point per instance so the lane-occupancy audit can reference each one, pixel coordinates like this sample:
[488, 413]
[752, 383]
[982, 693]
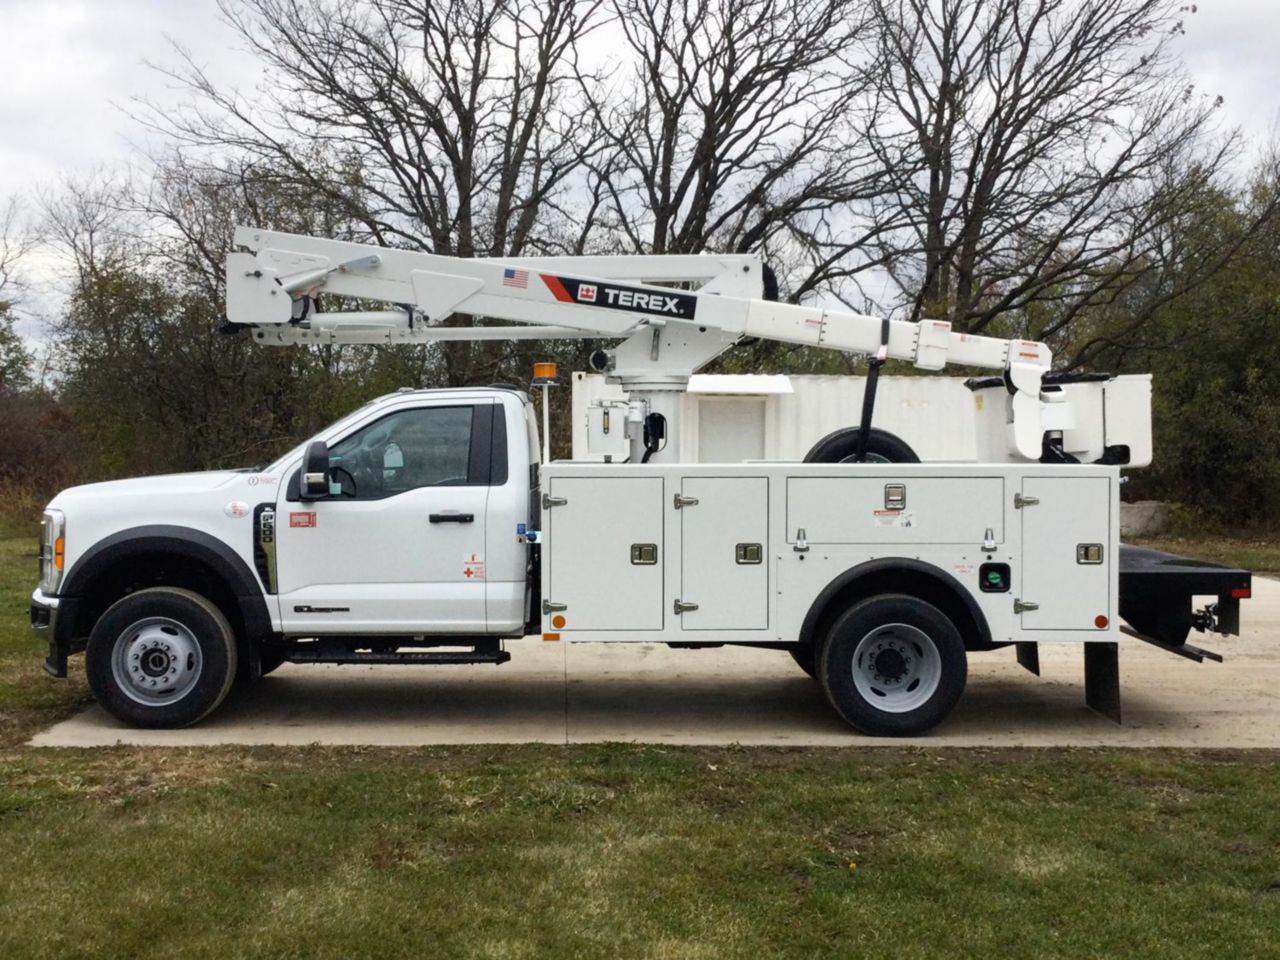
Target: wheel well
[911, 577]
[157, 569]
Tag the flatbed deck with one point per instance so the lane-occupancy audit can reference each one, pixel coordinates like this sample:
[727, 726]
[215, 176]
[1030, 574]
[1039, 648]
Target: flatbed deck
[1157, 592]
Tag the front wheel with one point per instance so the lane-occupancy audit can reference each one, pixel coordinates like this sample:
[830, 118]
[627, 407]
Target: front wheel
[162, 657]
[893, 666]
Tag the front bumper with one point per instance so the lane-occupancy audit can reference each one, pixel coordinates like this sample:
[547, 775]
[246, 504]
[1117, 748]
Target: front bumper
[44, 623]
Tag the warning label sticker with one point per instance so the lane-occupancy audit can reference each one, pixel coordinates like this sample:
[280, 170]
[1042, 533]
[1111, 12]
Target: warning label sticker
[893, 518]
[473, 566]
[305, 518]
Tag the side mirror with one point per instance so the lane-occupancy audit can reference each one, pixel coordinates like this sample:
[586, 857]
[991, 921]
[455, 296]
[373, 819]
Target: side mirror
[315, 472]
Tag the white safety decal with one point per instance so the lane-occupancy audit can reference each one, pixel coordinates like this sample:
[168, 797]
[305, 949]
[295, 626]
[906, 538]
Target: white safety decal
[473, 566]
[893, 518]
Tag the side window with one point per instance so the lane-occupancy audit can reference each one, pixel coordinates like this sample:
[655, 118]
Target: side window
[422, 447]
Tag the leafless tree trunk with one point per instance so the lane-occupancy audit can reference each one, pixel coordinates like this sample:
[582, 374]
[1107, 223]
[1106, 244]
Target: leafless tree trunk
[1047, 142]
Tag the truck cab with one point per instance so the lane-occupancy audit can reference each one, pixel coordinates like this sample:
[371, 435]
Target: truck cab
[417, 534]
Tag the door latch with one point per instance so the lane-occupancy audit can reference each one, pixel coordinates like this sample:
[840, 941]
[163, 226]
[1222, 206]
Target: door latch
[548, 501]
[680, 501]
[681, 607]
[550, 607]
[1019, 501]
[1024, 606]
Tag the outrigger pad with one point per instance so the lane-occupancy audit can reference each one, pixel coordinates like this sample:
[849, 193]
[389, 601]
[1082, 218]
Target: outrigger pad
[1029, 656]
[1102, 678]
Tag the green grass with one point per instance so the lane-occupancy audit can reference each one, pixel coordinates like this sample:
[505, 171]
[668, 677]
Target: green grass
[636, 851]
[619, 851]
[28, 697]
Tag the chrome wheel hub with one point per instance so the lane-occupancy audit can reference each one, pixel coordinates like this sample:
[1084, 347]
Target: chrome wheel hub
[896, 667]
[156, 661]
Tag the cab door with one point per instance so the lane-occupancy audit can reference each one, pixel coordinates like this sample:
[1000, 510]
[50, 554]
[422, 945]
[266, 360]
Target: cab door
[399, 545]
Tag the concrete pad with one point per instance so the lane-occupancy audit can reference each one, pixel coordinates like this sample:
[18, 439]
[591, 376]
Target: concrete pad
[582, 693]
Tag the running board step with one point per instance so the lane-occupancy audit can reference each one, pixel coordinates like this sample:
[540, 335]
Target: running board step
[1184, 649]
[423, 657]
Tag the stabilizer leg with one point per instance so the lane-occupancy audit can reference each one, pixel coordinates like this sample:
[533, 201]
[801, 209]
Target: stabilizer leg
[1102, 678]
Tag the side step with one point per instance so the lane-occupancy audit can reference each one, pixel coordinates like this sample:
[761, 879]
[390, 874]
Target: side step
[395, 656]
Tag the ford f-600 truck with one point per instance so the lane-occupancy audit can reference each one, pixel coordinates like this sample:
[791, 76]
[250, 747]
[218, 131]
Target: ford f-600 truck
[426, 528]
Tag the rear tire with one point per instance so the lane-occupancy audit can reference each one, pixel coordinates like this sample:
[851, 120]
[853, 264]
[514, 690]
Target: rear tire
[163, 657]
[842, 447]
[893, 666]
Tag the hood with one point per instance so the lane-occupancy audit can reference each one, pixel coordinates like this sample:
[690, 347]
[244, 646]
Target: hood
[170, 483]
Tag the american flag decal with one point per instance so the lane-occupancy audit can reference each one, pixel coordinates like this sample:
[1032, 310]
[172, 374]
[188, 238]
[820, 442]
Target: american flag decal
[515, 278]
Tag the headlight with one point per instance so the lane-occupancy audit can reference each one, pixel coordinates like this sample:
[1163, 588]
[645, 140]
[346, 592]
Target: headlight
[53, 545]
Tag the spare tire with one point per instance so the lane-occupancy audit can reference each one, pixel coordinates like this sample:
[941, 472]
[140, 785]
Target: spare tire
[842, 447]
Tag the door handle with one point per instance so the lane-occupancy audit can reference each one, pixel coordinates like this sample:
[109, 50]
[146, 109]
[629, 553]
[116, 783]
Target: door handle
[452, 517]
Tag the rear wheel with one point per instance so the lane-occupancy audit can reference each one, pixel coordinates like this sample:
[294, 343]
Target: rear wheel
[163, 657]
[893, 666]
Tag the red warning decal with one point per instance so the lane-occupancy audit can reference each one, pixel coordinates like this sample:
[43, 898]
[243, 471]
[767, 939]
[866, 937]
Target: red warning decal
[306, 518]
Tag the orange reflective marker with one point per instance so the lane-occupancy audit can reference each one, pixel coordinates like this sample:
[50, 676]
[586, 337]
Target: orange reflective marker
[544, 371]
[558, 621]
[551, 636]
[59, 552]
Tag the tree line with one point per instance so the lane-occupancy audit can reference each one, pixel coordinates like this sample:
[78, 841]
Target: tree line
[1036, 168]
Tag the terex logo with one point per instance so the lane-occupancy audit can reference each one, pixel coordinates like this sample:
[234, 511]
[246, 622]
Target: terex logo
[617, 297]
[638, 300]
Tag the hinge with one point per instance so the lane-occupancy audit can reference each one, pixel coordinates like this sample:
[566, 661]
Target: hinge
[550, 607]
[1019, 501]
[681, 607]
[1022, 606]
[680, 501]
[548, 501]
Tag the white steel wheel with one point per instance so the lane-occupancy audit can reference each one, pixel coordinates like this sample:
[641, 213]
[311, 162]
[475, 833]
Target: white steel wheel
[161, 657]
[156, 661]
[897, 667]
[893, 665]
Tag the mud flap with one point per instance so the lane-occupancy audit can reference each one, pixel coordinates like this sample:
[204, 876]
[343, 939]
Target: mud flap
[1029, 656]
[1102, 678]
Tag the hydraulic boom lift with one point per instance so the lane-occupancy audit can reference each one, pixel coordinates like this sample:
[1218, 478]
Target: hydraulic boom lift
[666, 334]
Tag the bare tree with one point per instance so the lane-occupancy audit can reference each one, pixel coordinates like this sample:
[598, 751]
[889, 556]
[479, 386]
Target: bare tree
[1049, 141]
[729, 127]
[445, 126]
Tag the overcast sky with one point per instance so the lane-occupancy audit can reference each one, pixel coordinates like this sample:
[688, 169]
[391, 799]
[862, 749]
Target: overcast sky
[68, 69]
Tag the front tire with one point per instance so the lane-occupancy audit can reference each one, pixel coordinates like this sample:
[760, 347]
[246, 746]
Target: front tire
[893, 666]
[163, 657]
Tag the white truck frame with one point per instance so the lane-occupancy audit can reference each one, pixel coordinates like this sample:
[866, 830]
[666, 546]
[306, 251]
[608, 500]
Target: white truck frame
[880, 574]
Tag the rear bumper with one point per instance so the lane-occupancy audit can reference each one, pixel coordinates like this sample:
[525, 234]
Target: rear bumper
[44, 623]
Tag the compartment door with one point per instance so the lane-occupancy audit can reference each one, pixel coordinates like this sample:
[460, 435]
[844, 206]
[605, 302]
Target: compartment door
[724, 553]
[604, 553]
[1060, 574]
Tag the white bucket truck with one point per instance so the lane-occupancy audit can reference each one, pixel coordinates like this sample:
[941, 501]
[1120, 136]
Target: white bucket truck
[426, 528]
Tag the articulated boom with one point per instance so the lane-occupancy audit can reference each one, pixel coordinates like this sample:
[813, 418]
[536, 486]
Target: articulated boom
[667, 334]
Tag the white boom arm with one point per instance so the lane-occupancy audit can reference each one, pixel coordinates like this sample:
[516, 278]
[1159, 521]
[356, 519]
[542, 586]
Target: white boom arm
[668, 334]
